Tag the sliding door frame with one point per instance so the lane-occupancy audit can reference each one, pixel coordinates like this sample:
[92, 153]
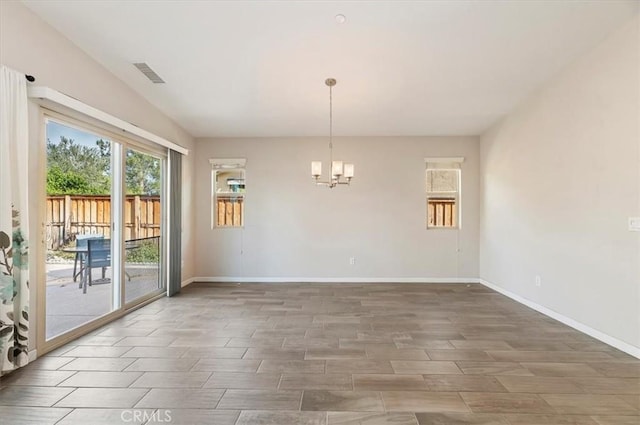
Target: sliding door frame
[160, 154]
[118, 148]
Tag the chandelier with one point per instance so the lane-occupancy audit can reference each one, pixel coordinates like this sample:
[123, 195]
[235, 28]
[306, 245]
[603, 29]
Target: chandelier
[341, 173]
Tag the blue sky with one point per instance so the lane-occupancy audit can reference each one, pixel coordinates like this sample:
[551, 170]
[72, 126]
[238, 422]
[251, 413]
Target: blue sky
[55, 130]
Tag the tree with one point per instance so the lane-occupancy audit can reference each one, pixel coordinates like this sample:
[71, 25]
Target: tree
[74, 169]
[69, 183]
[142, 174]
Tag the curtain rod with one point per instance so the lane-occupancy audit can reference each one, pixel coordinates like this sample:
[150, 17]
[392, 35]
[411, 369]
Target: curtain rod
[30, 78]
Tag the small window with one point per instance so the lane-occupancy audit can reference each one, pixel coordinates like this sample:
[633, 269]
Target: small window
[228, 192]
[443, 177]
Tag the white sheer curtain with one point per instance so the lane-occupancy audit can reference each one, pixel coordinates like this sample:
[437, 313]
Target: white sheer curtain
[14, 221]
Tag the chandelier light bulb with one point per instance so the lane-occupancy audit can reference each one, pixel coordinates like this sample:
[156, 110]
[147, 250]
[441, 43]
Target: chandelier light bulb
[316, 168]
[349, 170]
[337, 168]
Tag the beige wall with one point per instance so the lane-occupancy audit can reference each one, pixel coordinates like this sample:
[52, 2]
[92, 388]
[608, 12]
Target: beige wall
[29, 45]
[294, 229]
[560, 177]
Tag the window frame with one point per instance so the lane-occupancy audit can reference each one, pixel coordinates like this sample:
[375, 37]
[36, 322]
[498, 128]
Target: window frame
[446, 164]
[219, 165]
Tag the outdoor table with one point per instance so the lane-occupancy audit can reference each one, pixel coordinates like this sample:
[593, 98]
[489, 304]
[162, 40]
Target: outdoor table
[84, 270]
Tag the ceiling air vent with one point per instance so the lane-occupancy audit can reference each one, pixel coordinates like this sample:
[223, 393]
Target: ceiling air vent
[149, 73]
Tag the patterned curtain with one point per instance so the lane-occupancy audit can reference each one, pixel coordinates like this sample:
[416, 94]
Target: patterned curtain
[14, 222]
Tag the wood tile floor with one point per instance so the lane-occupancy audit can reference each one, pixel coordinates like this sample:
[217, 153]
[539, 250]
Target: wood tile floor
[329, 354]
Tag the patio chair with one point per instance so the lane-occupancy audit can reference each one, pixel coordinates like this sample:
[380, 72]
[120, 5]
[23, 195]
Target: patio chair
[98, 255]
[81, 243]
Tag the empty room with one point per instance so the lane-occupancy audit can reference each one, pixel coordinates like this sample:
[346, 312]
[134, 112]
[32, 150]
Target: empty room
[320, 212]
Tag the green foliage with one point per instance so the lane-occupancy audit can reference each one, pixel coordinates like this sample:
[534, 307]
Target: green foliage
[142, 174]
[69, 183]
[148, 252]
[74, 169]
[69, 256]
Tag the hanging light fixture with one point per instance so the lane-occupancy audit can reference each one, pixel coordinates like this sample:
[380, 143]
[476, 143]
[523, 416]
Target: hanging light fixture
[341, 173]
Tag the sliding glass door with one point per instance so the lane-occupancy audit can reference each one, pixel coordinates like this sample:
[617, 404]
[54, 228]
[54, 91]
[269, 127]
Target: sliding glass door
[143, 224]
[78, 209]
[103, 225]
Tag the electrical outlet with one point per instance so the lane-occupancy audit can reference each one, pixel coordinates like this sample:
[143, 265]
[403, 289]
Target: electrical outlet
[538, 281]
[352, 261]
[634, 224]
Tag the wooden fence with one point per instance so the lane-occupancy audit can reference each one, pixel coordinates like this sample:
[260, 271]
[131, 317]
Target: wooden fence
[68, 216]
[441, 212]
[229, 211]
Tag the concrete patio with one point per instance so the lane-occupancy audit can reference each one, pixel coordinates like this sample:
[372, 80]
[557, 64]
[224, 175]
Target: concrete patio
[68, 307]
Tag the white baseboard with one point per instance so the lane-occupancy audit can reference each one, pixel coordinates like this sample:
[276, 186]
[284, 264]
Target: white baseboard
[33, 354]
[607, 339]
[187, 282]
[234, 279]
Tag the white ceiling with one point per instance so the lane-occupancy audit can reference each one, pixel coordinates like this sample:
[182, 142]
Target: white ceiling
[257, 68]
